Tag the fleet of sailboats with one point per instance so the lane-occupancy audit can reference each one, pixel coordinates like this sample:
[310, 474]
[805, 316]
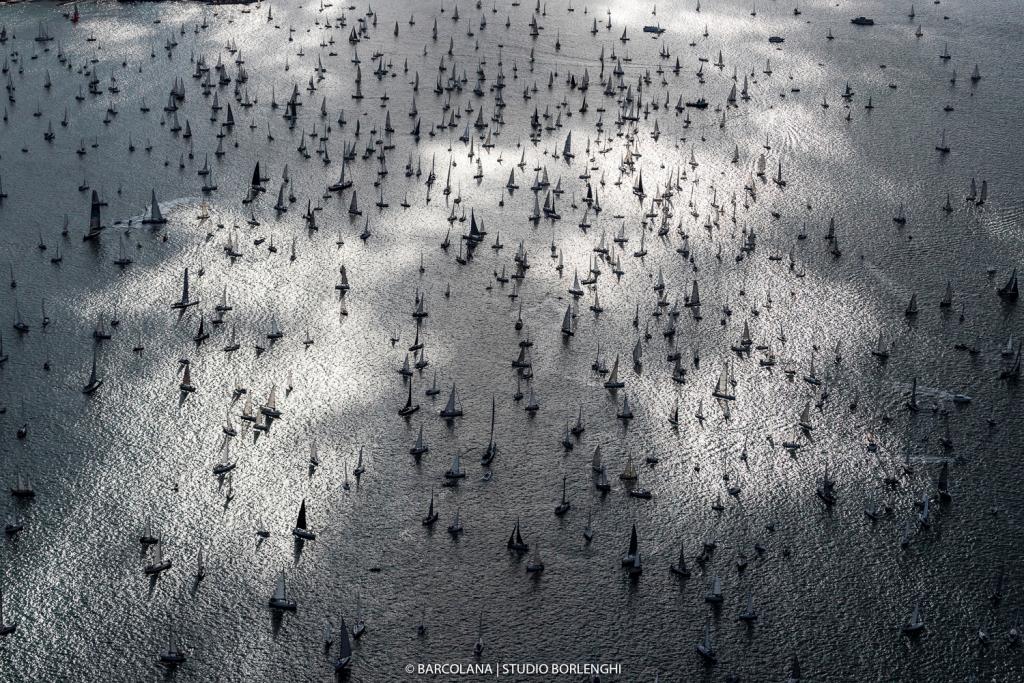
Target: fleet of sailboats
[709, 210]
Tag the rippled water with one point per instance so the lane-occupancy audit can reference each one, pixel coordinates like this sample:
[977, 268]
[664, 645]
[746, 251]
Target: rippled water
[829, 586]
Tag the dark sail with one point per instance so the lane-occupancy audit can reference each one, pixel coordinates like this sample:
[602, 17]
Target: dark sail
[301, 522]
[632, 541]
[1009, 290]
[95, 224]
[346, 645]
[345, 651]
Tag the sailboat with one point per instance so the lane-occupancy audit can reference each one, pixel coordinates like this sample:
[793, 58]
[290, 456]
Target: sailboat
[279, 599]
[431, 515]
[631, 554]
[269, 409]
[157, 562]
[451, 408]
[185, 301]
[625, 411]
[613, 381]
[359, 627]
[723, 389]
[409, 408]
[200, 566]
[679, 568]
[748, 614]
[478, 647]
[455, 471]
[567, 323]
[455, 528]
[794, 666]
[492, 448]
[95, 381]
[826, 489]
[301, 531]
[95, 222]
[706, 647]
[778, 176]
[911, 310]
[6, 628]
[226, 465]
[806, 423]
[714, 594]
[1008, 292]
[359, 469]
[515, 540]
[344, 659]
[914, 624]
[578, 427]
[155, 217]
[881, 349]
[174, 654]
[535, 565]
[186, 385]
[564, 506]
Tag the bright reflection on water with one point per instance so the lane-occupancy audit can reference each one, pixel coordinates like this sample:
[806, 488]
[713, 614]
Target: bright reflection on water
[830, 585]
